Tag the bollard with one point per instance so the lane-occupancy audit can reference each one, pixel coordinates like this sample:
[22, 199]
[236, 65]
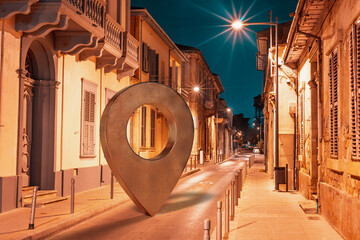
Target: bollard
[190, 163]
[219, 221]
[207, 229]
[236, 189]
[239, 183]
[241, 178]
[112, 187]
[72, 202]
[232, 201]
[33, 207]
[286, 177]
[227, 220]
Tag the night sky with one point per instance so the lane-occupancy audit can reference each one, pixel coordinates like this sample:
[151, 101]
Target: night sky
[196, 23]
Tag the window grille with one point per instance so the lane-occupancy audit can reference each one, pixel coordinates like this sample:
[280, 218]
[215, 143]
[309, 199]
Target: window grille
[334, 102]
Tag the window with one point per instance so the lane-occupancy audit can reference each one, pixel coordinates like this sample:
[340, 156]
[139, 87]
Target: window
[170, 75]
[143, 127]
[87, 145]
[152, 128]
[334, 100]
[302, 122]
[355, 91]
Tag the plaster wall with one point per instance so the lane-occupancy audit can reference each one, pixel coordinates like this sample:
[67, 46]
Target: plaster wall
[9, 102]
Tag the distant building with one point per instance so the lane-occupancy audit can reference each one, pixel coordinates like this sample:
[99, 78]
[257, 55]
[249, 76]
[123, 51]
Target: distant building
[204, 104]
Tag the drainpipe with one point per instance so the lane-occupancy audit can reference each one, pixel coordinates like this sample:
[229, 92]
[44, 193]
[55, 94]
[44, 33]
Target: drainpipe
[1, 64]
[20, 123]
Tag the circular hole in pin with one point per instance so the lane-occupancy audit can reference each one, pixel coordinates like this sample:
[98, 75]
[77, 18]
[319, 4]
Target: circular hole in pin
[148, 132]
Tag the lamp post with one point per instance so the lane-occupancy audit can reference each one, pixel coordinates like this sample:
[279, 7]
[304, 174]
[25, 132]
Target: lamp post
[238, 25]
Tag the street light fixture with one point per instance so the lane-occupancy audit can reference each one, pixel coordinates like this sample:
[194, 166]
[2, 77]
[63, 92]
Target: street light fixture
[237, 25]
[196, 89]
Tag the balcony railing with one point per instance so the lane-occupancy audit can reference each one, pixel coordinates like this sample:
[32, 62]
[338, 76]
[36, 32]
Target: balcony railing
[113, 32]
[93, 9]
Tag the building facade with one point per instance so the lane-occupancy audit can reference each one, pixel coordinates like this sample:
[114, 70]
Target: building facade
[204, 103]
[322, 53]
[60, 63]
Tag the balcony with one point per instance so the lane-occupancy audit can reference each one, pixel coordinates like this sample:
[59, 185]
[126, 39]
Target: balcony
[129, 60]
[79, 27]
[76, 24]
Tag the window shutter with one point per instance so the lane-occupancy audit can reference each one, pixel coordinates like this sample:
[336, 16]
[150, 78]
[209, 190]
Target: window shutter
[334, 108]
[152, 133]
[302, 127]
[143, 126]
[354, 86]
[88, 134]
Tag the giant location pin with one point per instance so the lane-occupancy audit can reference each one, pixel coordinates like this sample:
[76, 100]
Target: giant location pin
[148, 182]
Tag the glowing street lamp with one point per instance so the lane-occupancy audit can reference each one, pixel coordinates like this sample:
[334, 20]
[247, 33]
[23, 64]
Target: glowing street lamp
[228, 109]
[196, 89]
[237, 25]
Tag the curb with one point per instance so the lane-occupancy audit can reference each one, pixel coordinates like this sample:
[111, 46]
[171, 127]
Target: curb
[80, 217]
[190, 172]
[77, 219]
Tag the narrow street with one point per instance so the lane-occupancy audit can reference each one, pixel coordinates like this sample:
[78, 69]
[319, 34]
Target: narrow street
[193, 200]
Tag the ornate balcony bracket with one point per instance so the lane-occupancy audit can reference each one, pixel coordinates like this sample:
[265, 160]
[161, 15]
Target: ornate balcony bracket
[69, 41]
[119, 65]
[97, 51]
[45, 30]
[107, 60]
[9, 8]
[125, 72]
[42, 13]
[82, 48]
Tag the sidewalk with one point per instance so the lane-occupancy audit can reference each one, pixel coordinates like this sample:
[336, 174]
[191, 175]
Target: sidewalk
[53, 218]
[264, 213]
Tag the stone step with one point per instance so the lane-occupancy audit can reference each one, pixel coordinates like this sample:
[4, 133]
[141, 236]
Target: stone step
[308, 206]
[27, 190]
[43, 202]
[41, 195]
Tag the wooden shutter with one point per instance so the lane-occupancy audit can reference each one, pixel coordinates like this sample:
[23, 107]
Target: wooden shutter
[334, 100]
[302, 122]
[354, 86]
[88, 135]
[145, 57]
[143, 126]
[152, 129]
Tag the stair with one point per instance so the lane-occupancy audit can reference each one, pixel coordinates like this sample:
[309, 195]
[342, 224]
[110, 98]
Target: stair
[43, 197]
[308, 206]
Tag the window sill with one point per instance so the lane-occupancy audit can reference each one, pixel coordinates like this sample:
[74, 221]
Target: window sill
[87, 156]
[335, 164]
